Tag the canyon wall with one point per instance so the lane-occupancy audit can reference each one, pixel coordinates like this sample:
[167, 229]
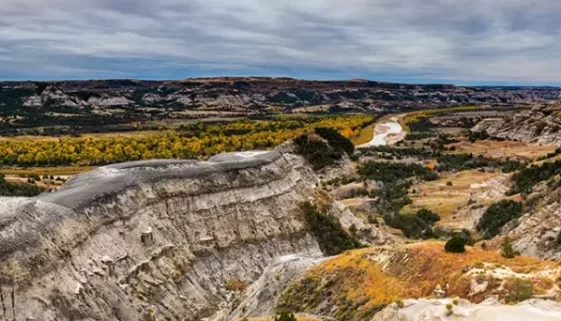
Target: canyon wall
[155, 240]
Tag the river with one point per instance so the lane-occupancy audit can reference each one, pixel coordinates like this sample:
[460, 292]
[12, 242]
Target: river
[387, 132]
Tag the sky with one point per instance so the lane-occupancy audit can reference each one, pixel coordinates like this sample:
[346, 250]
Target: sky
[480, 42]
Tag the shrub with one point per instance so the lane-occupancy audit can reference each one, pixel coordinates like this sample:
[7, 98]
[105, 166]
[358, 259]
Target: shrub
[336, 140]
[455, 245]
[316, 151]
[497, 215]
[507, 251]
[449, 310]
[393, 172]
[517, 290]
[15, 189]
[525, 180]
[449, 183]
[285, 316]
[327, 230]
[428, 215]
[411, 225]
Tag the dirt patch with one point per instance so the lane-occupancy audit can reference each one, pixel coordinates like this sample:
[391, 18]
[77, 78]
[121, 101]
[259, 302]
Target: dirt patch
[454, 191]
[502, 150]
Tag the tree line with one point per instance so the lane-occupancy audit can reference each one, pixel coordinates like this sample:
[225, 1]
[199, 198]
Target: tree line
[198, 140]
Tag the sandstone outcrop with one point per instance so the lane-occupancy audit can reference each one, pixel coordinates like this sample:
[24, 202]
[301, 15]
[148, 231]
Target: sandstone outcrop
[539, 125]
[153, 240]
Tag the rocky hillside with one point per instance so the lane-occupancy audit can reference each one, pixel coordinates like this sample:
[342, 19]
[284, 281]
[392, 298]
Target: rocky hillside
[374, 283]
[539, 125]
[173, 240]
[255, 94]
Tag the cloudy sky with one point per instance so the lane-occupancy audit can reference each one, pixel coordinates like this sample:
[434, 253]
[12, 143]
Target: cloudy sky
[453, 41]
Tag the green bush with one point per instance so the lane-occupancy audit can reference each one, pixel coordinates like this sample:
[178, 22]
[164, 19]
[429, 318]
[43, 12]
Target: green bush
[411, 225]
[322, 153]
[507, 251]
[327, 230]
[392, 172]
[336, 140]
[525, 180]
[285, 316]
[428, 215]
[455, 245]
[317, 152]
[497, 215]
[518, 290]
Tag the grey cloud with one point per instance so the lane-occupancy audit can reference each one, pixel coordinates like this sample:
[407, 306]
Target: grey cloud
[464, 41]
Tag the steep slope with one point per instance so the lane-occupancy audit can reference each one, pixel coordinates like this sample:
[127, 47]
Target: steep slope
[155, 240]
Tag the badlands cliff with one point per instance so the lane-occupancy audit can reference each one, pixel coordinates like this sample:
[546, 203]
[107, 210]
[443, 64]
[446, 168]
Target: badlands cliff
[155, 240]
[539, 125]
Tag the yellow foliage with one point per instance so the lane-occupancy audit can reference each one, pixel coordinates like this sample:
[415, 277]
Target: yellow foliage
[192, 141]
[412, 271]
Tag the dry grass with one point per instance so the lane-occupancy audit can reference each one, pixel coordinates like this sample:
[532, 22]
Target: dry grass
[366, 135]
[445, 200]
[55, 171]
[299, 317]
[501, 150]
[412, 271]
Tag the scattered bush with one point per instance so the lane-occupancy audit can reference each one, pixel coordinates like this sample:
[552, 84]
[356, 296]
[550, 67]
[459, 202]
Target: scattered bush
[497, 215]
[285, 316]
[449, 183]
[14, 189]
[449, 310]
[316, 151]
[428, 215]
[518, 290]
[507, 251]
[336, 140]
[455, 245]
[525, 180]
[327, 230]
[473, 136]
[412, 226]
[392, 172]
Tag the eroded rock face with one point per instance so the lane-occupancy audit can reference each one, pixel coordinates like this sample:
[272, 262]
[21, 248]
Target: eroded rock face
[540, 125]
[536, 233]
[152, 240]
[256, 93]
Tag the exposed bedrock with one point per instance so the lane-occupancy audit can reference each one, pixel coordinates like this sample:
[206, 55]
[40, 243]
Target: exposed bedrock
[539, 125]
[156, 240]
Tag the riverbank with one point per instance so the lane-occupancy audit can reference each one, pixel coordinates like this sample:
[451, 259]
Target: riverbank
[386, 132]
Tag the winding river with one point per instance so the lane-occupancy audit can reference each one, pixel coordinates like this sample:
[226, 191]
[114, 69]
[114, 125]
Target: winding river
[387, 132]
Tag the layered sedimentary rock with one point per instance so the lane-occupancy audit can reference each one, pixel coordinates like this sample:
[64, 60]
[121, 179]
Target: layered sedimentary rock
[260, 92]
[539, 125]
[156, 240]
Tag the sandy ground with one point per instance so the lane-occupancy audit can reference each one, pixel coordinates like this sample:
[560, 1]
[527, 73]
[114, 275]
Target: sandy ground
[533, 310]
[386, 132]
